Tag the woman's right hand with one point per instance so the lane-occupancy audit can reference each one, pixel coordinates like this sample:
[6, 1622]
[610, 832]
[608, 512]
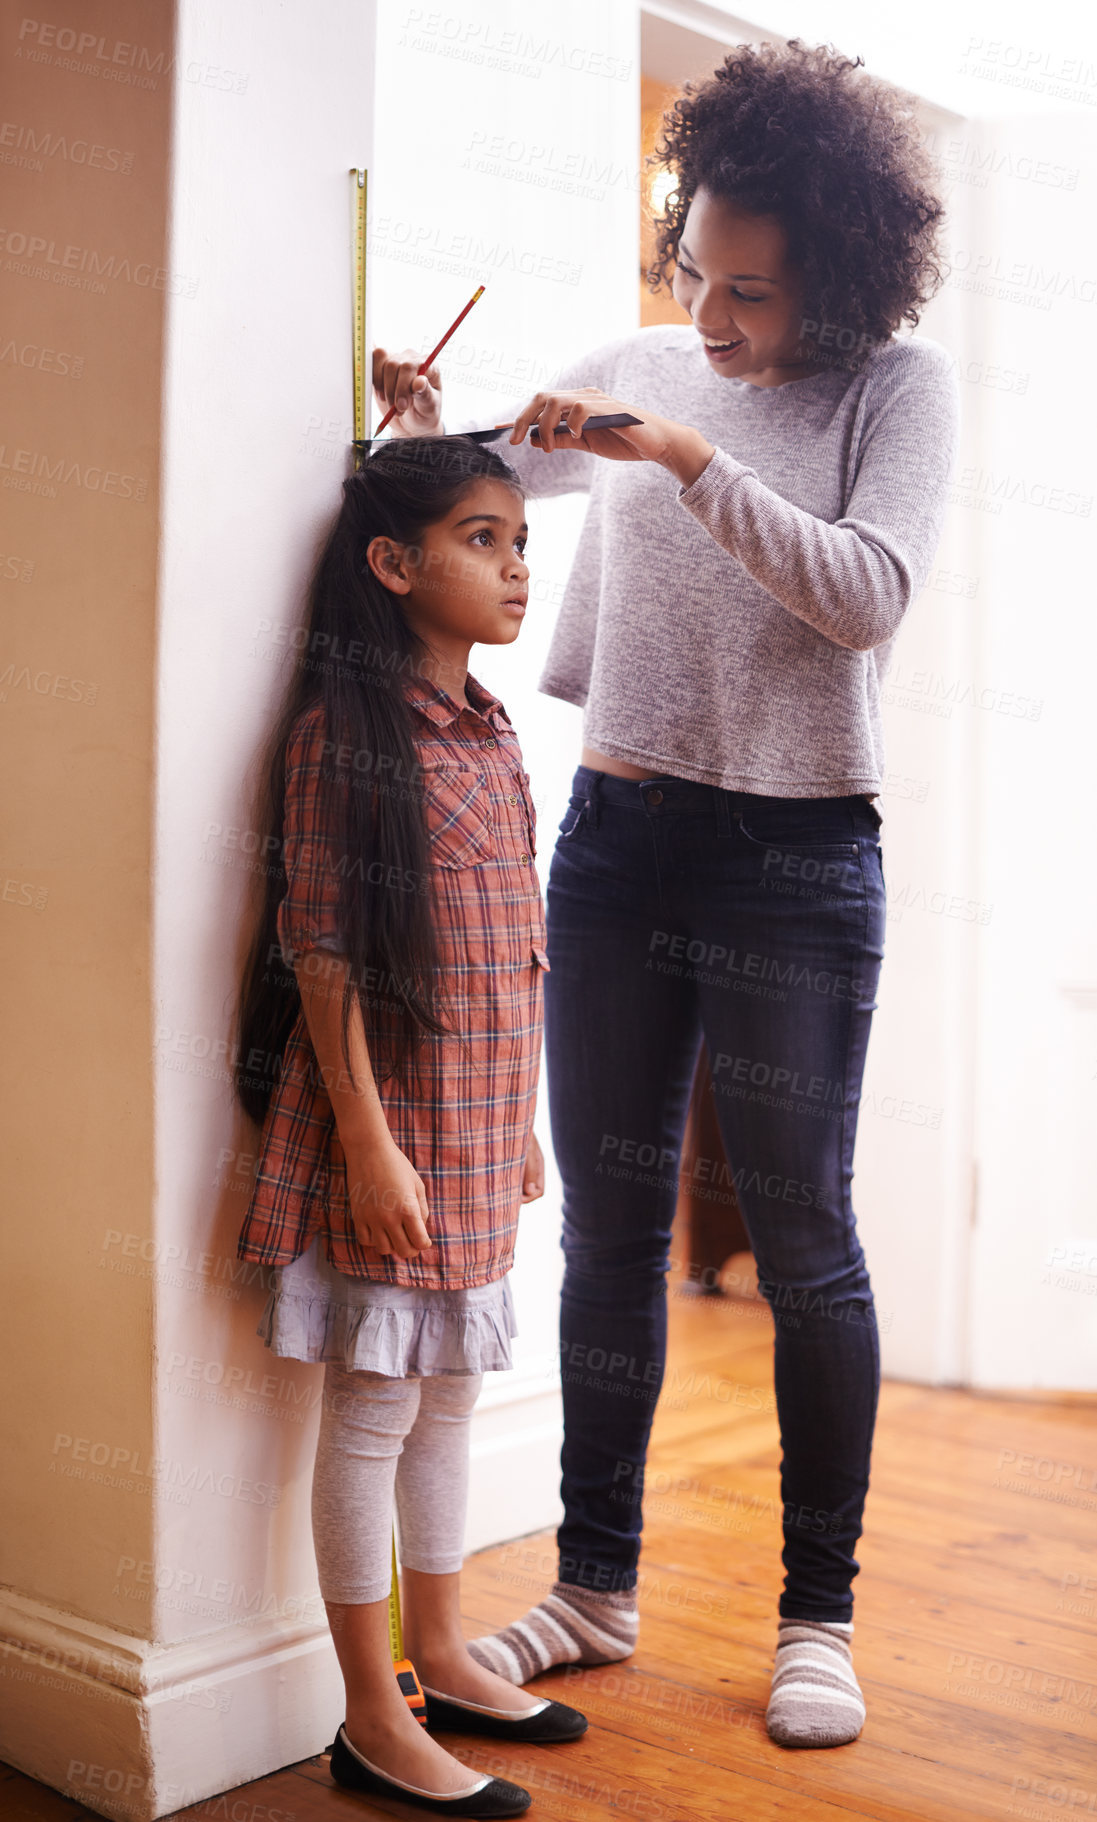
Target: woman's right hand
[388, 1199]
[417, 396]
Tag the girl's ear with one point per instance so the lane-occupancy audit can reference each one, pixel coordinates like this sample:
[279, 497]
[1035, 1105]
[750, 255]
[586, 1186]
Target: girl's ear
[388, 561]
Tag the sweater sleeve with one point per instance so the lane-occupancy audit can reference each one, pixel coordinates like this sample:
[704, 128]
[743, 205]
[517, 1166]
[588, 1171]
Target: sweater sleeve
[852, 580]
[561, 470]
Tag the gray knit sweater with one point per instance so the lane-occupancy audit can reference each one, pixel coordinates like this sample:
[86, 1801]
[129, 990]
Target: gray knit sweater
[736, 632]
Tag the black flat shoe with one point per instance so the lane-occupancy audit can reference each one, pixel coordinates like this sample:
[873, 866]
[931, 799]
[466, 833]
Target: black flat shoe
[550, 1722]
[486, 1797]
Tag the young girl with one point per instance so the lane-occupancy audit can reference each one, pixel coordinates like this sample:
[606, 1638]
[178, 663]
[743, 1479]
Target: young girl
[389, 1041]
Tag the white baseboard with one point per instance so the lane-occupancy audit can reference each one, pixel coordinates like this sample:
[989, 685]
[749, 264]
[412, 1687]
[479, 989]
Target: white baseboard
[135, 1731]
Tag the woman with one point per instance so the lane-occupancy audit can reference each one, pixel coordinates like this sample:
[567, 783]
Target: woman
[748, 555]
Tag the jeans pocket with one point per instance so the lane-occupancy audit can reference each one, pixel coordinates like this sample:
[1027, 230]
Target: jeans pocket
[574, 818]
[780, 833]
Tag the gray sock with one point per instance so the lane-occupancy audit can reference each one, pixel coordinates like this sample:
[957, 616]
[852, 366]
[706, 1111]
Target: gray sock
[815, 1698]
[570, 1626]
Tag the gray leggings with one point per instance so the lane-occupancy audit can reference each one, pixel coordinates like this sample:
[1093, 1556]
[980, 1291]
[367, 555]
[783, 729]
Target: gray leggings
[375, 1434]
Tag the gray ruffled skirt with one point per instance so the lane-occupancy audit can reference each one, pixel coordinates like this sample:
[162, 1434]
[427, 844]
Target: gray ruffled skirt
[315, 1312]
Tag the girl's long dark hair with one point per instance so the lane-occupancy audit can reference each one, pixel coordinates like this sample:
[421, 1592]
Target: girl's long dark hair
[358, 652]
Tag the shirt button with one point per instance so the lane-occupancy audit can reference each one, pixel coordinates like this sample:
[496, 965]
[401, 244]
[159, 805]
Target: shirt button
[523, 859]
[511, 798]
[490, 741]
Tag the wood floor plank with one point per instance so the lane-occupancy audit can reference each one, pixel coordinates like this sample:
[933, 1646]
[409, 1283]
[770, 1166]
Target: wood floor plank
[650, 1705]
[23, 1799]
[304, 1791]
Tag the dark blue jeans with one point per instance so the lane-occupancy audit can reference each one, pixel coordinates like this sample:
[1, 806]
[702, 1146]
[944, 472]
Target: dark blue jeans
[680, 913]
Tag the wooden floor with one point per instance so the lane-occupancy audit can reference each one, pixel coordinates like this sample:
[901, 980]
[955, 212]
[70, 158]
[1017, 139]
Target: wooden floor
[976, 1622]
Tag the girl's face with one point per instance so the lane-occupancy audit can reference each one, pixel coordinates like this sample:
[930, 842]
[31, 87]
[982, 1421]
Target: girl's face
[466, 582]
[733, 277]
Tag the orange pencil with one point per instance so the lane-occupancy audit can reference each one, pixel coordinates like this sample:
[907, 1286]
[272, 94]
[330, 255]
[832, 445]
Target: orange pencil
[391, 412]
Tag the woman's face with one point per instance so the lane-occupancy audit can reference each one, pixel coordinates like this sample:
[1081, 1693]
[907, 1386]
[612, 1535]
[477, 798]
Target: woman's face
[733, 277]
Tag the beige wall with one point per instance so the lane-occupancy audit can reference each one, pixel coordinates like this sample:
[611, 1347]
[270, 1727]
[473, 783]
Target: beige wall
[85, 182]
[161, 1636]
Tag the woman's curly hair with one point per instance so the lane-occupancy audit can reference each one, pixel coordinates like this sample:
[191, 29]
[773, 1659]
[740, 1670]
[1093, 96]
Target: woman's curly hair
[839, 161]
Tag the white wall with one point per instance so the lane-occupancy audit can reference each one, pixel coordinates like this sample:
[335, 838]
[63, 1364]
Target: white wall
[257, 423]
[914, 1164]
[1034, 1301]
[529, 187]
[975, 1159]
[261, 211]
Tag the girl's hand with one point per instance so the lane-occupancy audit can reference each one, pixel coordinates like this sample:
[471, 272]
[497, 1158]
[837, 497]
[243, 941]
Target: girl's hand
[388, 1200]
[417, 396]
[533, 1171]
[648, 441]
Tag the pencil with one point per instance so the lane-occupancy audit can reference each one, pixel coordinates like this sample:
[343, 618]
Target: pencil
[391, 412]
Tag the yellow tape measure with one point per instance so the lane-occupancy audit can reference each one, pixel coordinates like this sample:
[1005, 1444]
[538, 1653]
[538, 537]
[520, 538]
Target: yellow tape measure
[406, 1675]
[396, 1629]
[362, 378]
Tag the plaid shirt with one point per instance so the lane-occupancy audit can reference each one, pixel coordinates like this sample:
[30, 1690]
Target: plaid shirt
[467, 1137]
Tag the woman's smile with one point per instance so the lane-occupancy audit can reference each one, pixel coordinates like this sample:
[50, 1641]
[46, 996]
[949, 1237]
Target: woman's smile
[722, 351]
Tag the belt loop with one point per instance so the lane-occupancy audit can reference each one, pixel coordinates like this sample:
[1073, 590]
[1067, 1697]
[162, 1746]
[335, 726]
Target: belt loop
[594, 803]
[723, 810]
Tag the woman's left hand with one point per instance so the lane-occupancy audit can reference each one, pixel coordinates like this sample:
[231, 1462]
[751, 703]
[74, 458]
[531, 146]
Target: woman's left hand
[653, 439]
[533, 1171]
